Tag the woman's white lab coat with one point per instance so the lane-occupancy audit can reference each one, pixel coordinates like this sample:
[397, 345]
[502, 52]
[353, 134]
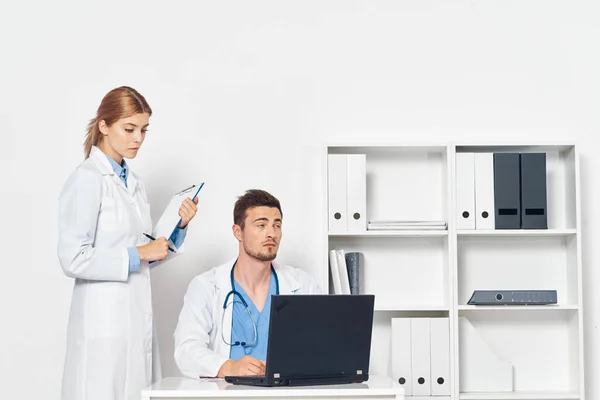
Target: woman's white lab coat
[110, 340]
[199, 348]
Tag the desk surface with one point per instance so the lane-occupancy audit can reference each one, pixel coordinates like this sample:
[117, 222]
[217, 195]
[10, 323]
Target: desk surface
[178, 388]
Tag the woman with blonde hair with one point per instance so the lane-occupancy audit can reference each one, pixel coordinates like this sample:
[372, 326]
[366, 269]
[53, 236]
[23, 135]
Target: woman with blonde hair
[103, 215]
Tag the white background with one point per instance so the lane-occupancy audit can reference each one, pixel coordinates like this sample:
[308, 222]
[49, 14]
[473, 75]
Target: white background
[245, 95]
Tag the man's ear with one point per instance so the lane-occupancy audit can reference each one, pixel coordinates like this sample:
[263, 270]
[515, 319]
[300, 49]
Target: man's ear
[102, 127]
[237, 232]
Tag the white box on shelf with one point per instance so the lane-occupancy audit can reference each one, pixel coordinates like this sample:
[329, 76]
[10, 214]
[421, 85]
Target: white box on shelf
[484, 191]
[481, 369]
[337, 188]
[357, 193]
[421, 356]
[401, 353]
[440, 356]
[465, 191]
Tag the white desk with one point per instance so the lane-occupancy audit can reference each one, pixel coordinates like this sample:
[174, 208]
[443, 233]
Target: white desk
[380, 387]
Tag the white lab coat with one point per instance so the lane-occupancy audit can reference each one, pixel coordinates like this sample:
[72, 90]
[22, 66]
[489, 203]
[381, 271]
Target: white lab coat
[110, 338]
[199, 348]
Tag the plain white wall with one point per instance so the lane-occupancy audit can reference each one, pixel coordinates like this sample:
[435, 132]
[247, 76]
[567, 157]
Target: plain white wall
[245, 94]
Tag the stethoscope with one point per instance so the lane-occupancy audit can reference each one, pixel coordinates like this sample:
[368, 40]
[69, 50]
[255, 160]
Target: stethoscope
[234, 293]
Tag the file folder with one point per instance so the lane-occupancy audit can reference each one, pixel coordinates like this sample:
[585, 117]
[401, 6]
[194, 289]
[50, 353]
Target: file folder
[420, 357]
[534, 213]
[336, 186]
[484, 191]
[357, 193]
[465, 190]
[507, 190]
[440, 356]
[513, 297]
[401, 353]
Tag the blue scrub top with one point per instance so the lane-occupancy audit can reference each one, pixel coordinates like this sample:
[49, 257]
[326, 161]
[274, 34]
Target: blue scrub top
[241, 325]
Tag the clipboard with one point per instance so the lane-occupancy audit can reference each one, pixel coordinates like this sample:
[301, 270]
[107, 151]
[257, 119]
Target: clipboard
[170, 219]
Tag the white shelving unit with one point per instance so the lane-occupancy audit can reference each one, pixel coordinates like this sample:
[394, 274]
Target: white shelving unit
[429, 273]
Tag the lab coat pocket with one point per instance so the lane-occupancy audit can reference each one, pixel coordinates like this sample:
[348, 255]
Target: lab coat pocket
[111, 215]
[108, 308]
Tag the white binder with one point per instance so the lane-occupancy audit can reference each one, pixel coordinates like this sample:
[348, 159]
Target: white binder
[401, 354]
[337, 188]
[357, 192]
[335, 272]
[484, 191]
[341, 263]
[421, 355]
[465, 190]
[440, 356]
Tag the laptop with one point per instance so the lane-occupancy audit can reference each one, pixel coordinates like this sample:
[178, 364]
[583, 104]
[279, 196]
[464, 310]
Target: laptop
[316, 340]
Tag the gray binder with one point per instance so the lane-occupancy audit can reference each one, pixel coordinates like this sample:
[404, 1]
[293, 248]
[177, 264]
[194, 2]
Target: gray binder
[507, 188]
[512, 297]
[354, 264]
[534, 213]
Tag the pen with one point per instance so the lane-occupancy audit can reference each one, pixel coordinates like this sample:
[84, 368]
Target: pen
[152, 238]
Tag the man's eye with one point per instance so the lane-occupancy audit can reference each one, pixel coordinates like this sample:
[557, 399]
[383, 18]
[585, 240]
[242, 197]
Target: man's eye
[278, 226]
[261, 225]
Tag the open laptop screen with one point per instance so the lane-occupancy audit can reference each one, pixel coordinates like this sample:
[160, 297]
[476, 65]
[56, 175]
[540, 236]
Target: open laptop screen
[319, 335]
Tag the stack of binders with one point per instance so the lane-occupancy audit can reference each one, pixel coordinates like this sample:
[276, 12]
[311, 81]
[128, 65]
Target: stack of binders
[501, 191]
[420, 354]
[346, 271]
[347, 192]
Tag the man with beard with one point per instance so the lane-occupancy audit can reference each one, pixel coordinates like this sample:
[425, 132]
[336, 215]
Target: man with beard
[224, 323]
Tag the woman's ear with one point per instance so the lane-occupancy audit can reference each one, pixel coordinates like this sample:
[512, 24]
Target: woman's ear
[102, 127]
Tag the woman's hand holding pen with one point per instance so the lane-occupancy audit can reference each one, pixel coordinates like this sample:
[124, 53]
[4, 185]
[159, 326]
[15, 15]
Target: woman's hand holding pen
[156, 250]
[187, 211]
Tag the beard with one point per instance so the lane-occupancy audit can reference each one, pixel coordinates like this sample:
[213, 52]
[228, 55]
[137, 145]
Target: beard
[267, 256]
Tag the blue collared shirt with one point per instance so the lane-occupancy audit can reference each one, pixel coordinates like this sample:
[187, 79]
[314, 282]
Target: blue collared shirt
[134, 255]
[241, 324]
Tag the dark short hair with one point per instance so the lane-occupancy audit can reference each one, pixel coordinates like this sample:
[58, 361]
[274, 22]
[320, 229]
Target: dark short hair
[253, 198]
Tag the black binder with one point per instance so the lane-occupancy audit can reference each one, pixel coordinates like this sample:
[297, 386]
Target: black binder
[534, 213]
[507, 188]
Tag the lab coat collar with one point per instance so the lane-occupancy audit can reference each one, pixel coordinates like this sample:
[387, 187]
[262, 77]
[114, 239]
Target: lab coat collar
[287, 283]
[99, 158]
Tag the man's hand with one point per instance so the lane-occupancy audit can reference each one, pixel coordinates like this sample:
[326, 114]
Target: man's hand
[245, 366]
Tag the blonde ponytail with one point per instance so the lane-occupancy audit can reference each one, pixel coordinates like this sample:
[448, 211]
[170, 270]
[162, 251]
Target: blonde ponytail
[92, 137]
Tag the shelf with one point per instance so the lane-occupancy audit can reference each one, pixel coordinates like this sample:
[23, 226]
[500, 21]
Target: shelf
[519, 308]
[399, 307]
[375, 234]
[518, 232]
[514, 147]
[382, 148]
[524, 395]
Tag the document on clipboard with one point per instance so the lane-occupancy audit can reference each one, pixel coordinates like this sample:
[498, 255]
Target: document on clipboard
[170, 219]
